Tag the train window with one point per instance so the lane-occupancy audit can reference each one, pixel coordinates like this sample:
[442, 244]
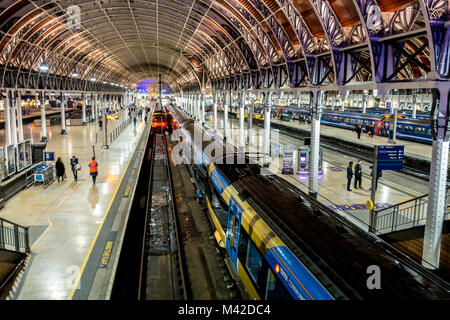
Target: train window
[254, 262]
[218, 205]
[234, 223]
[275, 290]
[243, 245]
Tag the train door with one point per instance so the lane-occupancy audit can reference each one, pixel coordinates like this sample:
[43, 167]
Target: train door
[233, 229]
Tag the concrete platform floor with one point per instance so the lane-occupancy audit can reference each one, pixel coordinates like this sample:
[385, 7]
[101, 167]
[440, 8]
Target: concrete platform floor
[393, 187]
[65, 218]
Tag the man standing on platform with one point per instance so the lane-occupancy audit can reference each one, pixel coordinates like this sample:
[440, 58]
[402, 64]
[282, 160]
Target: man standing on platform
[358, 174]
[349, 175]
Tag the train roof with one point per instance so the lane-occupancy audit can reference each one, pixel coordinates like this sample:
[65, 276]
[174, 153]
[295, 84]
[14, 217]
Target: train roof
[329, 244]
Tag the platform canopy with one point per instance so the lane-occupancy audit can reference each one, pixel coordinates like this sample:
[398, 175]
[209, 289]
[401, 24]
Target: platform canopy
[222, 44]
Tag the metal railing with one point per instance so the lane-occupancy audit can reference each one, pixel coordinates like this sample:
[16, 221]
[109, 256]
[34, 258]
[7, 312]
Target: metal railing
[405, 215]
[14, 237]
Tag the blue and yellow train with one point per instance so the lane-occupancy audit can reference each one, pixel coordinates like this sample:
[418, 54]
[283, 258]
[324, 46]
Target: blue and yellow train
[282, 244]
[418, 130]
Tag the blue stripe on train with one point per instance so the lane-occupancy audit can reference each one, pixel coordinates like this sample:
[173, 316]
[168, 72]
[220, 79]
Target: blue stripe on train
[219, 181]
[300, 283]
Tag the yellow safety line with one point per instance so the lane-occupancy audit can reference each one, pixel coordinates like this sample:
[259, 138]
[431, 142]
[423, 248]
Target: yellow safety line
[385, 182]
[100, 227]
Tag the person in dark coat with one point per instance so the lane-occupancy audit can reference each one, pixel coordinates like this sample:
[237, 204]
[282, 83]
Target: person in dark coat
[358, 174]
[349, 175]
[60, 170]
[358, 130]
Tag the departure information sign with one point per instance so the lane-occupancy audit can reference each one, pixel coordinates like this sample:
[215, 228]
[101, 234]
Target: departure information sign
[390, 157]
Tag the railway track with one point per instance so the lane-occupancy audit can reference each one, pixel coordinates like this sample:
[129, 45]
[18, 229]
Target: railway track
[163, 272]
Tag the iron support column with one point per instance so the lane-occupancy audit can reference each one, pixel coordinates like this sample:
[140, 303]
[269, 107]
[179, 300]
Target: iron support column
[267, 112]
[19, 115]
[437, 198]
[203, 108]
[241, 122]
[414, 105]
[225, 116]
[8, 117]
[84, 109]
[43, 119]
[64, 100]
[13, 118]
[365, 99]
[316, 113]
[250, 122]
[215, 112]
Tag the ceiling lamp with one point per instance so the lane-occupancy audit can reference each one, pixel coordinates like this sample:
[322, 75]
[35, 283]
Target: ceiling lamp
[93, 79]
[43, 67]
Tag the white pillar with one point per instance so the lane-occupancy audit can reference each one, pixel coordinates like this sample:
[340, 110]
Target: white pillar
[267, 112]
[203, 108]
[13, 118]
[8, 117]
[43, 118]
[365, 98]
[19, 115]
[250, 122]
[84, 108]
[64, 101]
[215, 112]
[414, 105]
[225, 115]
[437, 198]
[241, 122]
[316, 112]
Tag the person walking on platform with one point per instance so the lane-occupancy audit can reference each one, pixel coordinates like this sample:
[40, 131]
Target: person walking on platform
[93, 169]
[349, 175]
[358, 174]
[60, 170]
[75, 167]
[134, 121]
[100, 123]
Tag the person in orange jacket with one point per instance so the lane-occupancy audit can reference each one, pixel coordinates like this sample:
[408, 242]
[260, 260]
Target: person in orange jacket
[93, 169]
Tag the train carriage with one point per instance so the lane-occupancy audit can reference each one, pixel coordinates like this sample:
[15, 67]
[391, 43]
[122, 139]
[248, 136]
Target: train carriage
[282, 244]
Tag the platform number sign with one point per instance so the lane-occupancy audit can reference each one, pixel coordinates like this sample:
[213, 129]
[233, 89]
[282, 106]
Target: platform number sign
[390, 157]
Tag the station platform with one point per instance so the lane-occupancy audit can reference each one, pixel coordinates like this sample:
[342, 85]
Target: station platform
[393, 187]
[75, 227]
[412, 148]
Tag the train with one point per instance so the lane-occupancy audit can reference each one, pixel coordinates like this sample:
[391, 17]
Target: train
[282, 244]
[417, 130]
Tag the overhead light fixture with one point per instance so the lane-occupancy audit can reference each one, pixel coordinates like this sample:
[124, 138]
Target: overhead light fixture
[43, 67]
[104, 82]
[93, 79]
[74, 74]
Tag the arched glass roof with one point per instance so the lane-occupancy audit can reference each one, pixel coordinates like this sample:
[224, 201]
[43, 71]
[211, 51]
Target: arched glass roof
[249, 43]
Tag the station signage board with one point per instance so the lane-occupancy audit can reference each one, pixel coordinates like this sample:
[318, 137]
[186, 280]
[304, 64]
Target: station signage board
[390, 157]
[49, 156]
[288, 159]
